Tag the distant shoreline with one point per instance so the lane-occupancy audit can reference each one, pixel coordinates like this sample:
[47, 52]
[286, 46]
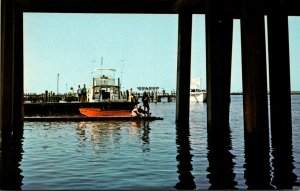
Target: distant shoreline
[241, 93]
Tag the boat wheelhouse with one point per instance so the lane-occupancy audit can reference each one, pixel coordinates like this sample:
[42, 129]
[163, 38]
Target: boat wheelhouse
[196, 94]
[104, 86]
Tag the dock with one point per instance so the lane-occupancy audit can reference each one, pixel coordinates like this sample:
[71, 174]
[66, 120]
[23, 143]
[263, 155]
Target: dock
[78, 118]
[43, 108]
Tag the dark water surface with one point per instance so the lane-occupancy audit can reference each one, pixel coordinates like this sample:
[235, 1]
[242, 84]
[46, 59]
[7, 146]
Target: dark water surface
[147, 155]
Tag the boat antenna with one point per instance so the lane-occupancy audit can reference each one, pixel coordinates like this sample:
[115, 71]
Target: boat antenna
[101, 65]
[121, 83]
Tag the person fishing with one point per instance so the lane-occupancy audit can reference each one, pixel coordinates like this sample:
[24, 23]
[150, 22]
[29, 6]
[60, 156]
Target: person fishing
[143, 111]
[135, 112]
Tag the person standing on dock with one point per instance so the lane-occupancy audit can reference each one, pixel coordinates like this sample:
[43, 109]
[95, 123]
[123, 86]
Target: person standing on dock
[79, 93]
[83, 91]
[145, 100]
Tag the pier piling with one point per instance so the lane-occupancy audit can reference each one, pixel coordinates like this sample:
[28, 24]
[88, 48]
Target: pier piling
[18, 73]
[219, 28]
[183, 67]
[7, 70]
[279, 73]
[256, 129]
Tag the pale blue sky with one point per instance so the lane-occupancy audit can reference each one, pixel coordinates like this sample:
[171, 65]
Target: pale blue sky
[73, 44]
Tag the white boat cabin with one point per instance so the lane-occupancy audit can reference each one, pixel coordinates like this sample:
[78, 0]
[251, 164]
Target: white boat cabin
[104, 86]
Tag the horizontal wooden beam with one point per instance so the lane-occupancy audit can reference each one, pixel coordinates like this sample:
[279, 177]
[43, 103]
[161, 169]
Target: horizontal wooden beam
[231, 7]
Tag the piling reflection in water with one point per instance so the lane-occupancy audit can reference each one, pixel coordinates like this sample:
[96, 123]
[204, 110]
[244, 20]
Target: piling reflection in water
[221, 165]
[10, 157]
[257, 161]
[184, 158]
[282, 162]
[145, 136]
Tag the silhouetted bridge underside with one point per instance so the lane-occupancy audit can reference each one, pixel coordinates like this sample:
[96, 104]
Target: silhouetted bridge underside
[231, 7]
[219, 17]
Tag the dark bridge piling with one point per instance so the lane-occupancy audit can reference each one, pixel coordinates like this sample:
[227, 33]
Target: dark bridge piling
[279, 74]
[219, 28]
[183, 67]
[256, 127]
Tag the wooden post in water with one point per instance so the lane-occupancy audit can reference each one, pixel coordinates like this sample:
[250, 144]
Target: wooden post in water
[183, 67]
[254, 70]
[219, 28]
[257, 168]
[279, 73]
[280, 97]
[18, 87]
[7, 71]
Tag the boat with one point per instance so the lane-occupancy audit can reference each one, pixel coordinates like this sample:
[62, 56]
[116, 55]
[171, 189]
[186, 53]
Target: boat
[104, 89]
[196, 94]
[98, 112]
[104, 86]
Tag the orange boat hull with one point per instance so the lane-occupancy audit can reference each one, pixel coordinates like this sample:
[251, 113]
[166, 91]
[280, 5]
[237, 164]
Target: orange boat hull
[97, 112]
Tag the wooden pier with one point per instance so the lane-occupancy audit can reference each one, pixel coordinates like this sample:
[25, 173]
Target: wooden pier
[71, 108]
[85, 118]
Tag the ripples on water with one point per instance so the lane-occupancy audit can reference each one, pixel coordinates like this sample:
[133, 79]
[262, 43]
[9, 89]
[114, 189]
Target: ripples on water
[143, 155]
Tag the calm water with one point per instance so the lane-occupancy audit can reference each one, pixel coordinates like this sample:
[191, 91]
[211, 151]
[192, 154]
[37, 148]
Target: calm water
[142, 155]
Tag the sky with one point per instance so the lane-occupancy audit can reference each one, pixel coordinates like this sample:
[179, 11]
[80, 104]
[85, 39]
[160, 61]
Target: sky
[141, 47]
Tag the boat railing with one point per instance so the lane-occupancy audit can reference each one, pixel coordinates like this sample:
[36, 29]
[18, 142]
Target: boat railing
[104, 81]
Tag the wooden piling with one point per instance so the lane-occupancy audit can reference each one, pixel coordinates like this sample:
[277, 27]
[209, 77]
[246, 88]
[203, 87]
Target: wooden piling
[7, 71]
[18, 73]
[255, 95]
[183, 67]
[219, 28]
[254, 70]
[280, 97]
[279, 73]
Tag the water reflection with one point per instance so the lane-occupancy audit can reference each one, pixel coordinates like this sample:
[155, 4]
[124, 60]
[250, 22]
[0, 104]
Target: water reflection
[145, 136]
[10, 158]
[257, 160]
[184, 158]
[108, 135]
[221, 165]
[81, 131]
[282, 162]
